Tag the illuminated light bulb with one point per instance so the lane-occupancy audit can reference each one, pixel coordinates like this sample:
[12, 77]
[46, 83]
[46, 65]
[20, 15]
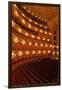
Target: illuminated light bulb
[35, 28]
[16, 13]
[35, 16]
[57, 58]
[41, 25]
[44, 51]
[48, 39]
[30, 43]
[50, 45]
[13, 23]
[39, 17]
[42, 19]
[57, 46]
[33, 52]
[49, 51]
[32, 13]
[23, 14]
[13, 55]
[30, 20]
[29, 11]
[19, 29]
[40, 31]
[43, 38]
[53, 53]
[39, 51]
[23, 42]
[20, 53]
[57, 53]
[36, 23]
[46, 45]
[45, 32]
[49, 33]
[23, 21]
[36, 44]
[41, 44]
[38, 37]
[26, 34]
[53, 46]
[45, 27]
[27, 52]
[16, 40]
[24, 7]
[29, 25]
[45, 20]
[32, 36]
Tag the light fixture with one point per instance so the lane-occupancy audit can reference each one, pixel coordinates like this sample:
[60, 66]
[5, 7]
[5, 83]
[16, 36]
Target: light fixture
[45, 27]
[33, 52]
[16, 13]
[46, 45]
[39, 51]
[49, 33]
[30, 43]
[27, 52]
[16, 40]
[23, 42]
[32, 36]
[29, 25]
[40, 31]
[41, 44]
[48, 39]
[20, 30]
[57, 53]
[39, 17]
[23, 21]
[13, 54]
[53, 53]
[36, 44]
[24, 7]
[57, 46]
[41, 25]
[36, 23]
[43, 38]
[13, 24]
[53, 46]
[30, 20]
[45, 20]
[20, 53]
[26, 34]
[23, 14]
[14, 5]
[44, 51]
[42, 19]
[49, 51]
[38, 37]
[45, 32]
[50, 45]
[36, 16]
[29, 11]
[35, 28]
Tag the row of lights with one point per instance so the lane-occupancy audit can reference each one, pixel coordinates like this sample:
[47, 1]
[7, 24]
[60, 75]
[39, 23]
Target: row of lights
[27, 52]
[30, 20]
[33, 52]
[36, 29]
[26, 33]
[36, 44]
[35, 15]
[30, 43]
[23, 21]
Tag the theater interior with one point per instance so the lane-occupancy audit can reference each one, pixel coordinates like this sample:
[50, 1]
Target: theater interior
[35, 58]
